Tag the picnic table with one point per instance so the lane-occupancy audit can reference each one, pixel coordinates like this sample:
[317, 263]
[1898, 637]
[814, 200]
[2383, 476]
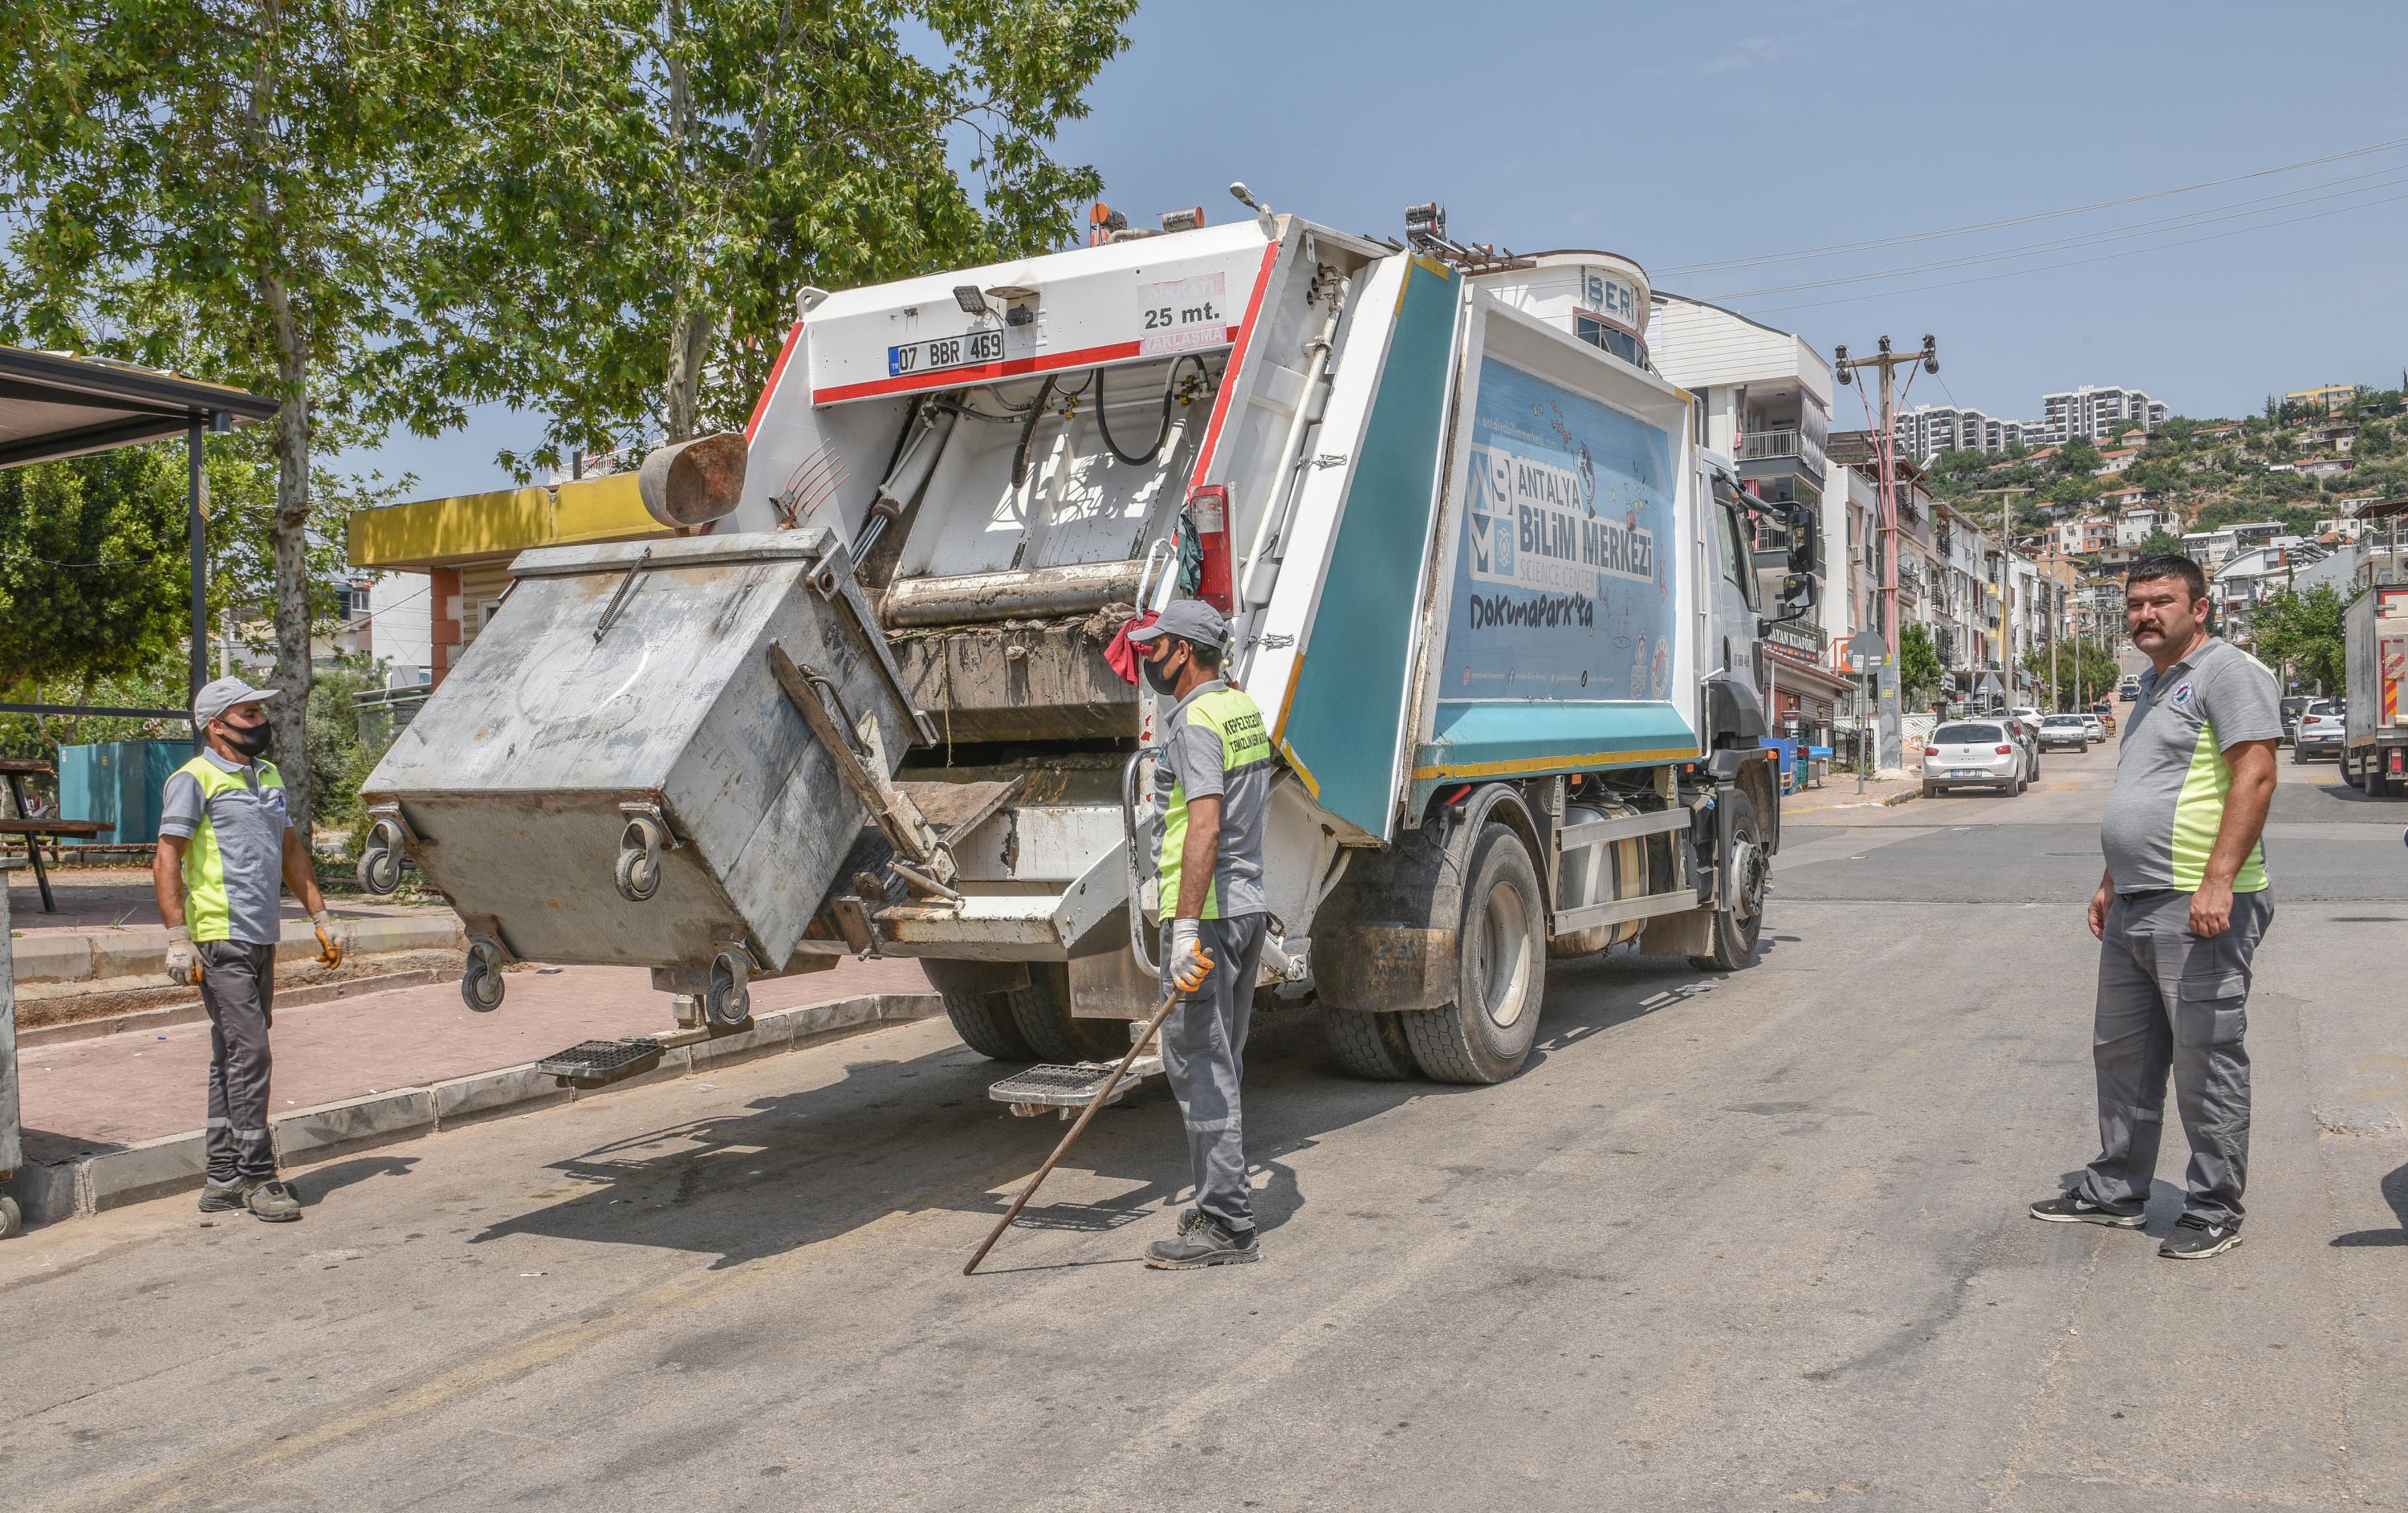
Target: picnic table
[17, 769]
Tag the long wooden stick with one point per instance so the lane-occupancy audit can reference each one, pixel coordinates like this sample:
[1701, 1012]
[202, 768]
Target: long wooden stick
[1102, 1095]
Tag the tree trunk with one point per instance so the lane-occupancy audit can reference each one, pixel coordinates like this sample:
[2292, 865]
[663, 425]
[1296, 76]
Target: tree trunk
[288, 536]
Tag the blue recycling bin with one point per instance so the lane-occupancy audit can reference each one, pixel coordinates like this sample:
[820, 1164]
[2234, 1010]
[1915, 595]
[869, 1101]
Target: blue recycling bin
[120, 784]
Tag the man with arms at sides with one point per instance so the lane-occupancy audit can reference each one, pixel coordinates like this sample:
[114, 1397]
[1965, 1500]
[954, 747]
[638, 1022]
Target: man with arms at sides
[2178, 916]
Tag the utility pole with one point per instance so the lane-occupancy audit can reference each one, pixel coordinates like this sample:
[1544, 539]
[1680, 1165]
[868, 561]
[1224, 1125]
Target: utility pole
[2006, 546]
[1886, 460]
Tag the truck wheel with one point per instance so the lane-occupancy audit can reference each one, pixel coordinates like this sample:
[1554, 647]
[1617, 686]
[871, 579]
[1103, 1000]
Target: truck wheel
[1369, 1046]
[1041, 1012]
[982, 1019]
[1502, 971]
[1736, 927]
[12, 1218]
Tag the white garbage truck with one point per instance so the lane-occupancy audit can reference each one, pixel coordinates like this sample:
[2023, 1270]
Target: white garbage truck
[1500, 607]
[2374, 656]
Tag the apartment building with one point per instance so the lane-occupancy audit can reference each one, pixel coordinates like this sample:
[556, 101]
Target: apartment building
[2083, 534]
[1928, 430]
[2136, 520]
[2096, 413]
[2333, 398]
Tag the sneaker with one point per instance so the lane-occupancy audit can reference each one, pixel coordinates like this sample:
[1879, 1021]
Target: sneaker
[1202, 1241]
[221, 1197]
[272, 1201]
[2196, 1239]
[2070, 1207]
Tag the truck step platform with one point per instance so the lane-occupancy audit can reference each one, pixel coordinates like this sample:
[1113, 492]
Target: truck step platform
[593, 1063]
[1067, 1086]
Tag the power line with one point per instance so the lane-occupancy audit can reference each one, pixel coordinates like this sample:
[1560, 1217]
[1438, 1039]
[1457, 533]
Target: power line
[2075, 262]
[1838, 248]
[2385, 177]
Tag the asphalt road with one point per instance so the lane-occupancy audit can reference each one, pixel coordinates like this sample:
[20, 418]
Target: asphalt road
[1725, 1243]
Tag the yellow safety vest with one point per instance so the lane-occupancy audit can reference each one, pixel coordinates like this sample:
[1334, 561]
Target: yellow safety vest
[206, 912]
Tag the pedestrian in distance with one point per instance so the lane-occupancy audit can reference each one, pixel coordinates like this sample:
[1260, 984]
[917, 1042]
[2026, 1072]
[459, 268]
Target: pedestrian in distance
[226, 845]
[1214, 781]
[2179, 914]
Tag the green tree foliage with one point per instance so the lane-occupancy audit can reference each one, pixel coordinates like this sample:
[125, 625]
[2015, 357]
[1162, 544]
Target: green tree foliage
[2302, 629]
[630, 268]
[93, 575]
[2375, 438]
[1918, 664]
[171, 156]
[2077, 459]
[2161, 543]
[2085, 672]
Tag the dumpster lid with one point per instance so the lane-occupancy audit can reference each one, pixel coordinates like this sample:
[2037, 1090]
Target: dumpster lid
[809, 544]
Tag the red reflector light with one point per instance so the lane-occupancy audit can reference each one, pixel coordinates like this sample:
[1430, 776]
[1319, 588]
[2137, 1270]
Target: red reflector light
[1931, 751]
[2006, 751]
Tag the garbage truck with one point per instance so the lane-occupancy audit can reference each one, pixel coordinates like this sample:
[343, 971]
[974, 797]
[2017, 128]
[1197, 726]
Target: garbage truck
[2374, 658]
[1500, 608]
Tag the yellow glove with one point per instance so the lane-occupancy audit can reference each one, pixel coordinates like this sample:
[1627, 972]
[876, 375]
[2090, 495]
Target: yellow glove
[183, 961]
[330, 948]
[1190, 962]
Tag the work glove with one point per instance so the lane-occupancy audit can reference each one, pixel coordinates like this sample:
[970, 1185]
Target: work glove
[1190, 963]
[183, 961]
[330, 948]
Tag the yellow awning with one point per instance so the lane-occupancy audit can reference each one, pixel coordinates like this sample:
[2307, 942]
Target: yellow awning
[475, 527]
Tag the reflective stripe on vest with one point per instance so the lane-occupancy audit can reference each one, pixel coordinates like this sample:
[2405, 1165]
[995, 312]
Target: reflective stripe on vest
[206, 913]
[1245, 746]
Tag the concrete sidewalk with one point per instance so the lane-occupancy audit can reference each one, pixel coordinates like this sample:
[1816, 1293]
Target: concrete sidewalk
[1839, 791]
[115, 1118]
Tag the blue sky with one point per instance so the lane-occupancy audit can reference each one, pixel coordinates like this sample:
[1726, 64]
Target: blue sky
[1683, 135]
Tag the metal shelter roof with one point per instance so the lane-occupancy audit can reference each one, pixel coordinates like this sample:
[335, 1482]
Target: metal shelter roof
[56, 405]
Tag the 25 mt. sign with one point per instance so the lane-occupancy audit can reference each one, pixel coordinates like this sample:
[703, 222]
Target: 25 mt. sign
[944, 353]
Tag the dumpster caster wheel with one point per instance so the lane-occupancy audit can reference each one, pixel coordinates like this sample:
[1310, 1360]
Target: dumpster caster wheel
[12, 1218]
[729, 1002]
[481, 985]
[380, 860]
[639, 860]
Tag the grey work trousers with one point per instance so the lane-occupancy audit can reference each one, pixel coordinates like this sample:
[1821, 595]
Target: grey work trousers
[2169, 1000]
[1204, 1054]
[238, 989]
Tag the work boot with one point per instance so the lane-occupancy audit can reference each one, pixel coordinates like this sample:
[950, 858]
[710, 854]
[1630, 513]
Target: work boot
[2071, 1207]
[221, 1197]
[272, 1201]
[2195, 1239]
[1202, 1241]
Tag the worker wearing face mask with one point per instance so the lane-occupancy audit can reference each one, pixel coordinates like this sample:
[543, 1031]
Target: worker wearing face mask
[1213, 779]
[225, 845]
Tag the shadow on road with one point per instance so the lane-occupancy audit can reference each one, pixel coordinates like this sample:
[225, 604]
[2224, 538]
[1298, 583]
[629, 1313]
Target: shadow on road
[896, 1135]
[2395, 1192]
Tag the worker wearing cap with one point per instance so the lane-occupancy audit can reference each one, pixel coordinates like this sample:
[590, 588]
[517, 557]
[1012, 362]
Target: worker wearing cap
[1214, 779]
[225, 845]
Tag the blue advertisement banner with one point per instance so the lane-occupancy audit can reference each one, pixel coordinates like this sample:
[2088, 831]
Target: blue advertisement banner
[1563, 578]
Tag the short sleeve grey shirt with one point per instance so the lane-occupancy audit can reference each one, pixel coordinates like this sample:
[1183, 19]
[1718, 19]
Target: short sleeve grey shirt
[250, 824]
[2172, 775]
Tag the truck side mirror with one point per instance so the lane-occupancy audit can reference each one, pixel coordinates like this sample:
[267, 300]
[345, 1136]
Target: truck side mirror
[1805, 541]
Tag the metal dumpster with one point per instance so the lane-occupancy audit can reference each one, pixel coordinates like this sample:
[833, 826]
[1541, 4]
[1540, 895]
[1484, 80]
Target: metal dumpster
[13, 1151]
[617, 773]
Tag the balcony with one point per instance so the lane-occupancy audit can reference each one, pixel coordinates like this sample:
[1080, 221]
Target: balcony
[1783, 453]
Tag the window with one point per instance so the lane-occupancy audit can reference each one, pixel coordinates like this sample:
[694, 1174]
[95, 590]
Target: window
[1739, 562]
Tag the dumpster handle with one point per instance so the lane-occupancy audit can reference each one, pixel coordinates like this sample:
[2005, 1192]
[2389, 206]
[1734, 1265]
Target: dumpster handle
[1138, 945]
[610, 610]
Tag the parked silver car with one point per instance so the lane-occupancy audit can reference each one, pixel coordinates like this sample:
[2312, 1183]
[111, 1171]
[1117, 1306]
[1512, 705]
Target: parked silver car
[1972, 754]
[2321, 728]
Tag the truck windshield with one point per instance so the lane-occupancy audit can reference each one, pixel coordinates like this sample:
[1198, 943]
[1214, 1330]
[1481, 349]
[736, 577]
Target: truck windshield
[1738, 559]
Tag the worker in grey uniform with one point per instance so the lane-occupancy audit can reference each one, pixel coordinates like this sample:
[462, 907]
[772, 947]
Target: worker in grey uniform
[225, 844]
[2178, 915]
[1213, 779]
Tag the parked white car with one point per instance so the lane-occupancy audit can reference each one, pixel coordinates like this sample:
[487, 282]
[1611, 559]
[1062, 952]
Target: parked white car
[2095, 728]
[2322, 726]
[1972, 754]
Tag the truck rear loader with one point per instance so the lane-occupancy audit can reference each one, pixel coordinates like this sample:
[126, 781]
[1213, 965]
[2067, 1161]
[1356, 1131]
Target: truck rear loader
[1498, 607]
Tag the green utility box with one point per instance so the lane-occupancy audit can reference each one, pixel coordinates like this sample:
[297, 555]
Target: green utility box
[118, 783]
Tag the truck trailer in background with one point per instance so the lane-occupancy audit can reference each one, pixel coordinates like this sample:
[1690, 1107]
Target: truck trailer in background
[2375, 741]
[1496, 604]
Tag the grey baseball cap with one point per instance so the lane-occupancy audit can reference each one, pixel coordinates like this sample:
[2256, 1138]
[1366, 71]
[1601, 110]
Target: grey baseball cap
[1190, 619]
[216, 698]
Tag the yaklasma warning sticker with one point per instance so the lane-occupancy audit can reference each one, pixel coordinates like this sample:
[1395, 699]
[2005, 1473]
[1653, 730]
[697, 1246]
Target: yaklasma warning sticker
[1560, 590]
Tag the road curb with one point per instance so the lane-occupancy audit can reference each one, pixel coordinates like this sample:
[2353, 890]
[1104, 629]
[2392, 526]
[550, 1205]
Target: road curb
[192, 1012]
[76, 1182]
[78, 956]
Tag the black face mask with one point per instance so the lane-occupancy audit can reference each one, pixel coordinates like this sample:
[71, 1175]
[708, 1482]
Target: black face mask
[1164, 684]
[250, 741]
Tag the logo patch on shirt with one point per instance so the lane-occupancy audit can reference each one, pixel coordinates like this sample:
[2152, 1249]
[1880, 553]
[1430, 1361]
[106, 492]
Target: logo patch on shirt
[2180, 696]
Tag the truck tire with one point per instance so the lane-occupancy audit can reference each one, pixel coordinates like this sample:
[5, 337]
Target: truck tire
[1500, 970]
[1369, 1046]
[1737, 927]
[984, 1021]
[1042, 1011]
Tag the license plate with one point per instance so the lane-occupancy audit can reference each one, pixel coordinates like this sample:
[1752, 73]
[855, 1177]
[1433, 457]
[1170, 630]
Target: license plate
[1971, 772]
[944, 353]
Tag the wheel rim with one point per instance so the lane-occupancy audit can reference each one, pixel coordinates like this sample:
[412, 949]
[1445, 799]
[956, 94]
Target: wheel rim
[1505, 956]
[1748, 862]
